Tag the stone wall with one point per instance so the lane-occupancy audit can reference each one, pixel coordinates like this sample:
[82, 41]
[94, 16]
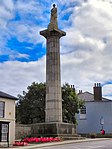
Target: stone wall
[22, 131]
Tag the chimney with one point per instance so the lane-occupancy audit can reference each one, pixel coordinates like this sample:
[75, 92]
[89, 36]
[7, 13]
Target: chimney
[97, 92]
[80, 91]
[73, 87]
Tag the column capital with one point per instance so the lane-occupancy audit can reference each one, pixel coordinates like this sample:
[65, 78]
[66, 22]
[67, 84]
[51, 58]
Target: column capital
[52, 32]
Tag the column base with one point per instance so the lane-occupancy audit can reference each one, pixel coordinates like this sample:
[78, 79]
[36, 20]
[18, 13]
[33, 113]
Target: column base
[54, 129]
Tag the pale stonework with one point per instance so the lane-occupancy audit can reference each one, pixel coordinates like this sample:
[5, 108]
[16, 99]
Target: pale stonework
[9, 116]
[53, 77]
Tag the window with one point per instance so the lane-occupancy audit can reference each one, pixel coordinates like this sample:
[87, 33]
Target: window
[4, 132]
[82, 112]
[2, 107]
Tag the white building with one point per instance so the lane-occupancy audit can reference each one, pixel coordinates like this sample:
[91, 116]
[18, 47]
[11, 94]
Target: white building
[96, 113]
[7, 118]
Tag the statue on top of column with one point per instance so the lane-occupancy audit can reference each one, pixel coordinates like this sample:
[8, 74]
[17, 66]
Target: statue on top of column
[53, 20]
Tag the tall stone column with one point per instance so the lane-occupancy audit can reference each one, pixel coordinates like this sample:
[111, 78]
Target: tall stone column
[53, 77]
[53, 125]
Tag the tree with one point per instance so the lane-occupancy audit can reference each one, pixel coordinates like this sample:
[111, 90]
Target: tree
[71, 104]
[31, 105]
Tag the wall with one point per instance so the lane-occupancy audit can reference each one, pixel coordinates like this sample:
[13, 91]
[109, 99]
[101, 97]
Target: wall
[22, 131]
[95, 110]
[10, 117]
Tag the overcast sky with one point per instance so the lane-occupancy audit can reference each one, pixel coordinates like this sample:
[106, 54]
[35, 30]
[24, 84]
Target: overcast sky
[86, 51]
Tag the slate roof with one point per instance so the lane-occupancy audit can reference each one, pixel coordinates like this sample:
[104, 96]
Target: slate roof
[5, 95]
[86, 96]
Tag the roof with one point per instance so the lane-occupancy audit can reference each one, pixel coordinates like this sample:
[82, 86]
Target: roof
[86, 96]
[5, 95]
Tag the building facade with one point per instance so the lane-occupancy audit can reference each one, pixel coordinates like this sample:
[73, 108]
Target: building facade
[7, 118]
[96, 112]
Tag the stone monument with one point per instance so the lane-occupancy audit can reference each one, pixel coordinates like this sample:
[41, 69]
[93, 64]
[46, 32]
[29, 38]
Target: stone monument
[53, 112]
[53, 125]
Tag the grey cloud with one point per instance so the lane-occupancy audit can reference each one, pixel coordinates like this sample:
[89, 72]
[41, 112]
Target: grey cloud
[16, 76]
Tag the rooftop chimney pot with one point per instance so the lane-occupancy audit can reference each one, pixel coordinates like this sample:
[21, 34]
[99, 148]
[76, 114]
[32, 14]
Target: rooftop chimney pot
[97, 92]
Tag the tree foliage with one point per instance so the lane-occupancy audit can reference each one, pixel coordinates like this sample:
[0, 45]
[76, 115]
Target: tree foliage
[71, 104]
[31, 105]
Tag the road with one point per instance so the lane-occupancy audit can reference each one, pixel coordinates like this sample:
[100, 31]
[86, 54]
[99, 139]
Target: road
[102, 144]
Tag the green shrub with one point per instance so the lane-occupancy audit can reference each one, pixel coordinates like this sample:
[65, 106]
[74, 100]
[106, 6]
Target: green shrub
[92, 135]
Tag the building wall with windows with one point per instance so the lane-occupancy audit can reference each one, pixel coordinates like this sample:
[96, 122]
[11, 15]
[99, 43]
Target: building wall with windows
[97, 116]
[7, 118]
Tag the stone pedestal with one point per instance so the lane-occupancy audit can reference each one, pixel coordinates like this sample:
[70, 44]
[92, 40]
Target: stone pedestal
[64, 130]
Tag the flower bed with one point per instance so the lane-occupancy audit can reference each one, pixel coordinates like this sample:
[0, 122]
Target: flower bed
[45, 139]
[25, 141]
[20, 143]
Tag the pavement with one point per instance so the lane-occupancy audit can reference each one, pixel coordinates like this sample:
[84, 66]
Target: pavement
[34, 146]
